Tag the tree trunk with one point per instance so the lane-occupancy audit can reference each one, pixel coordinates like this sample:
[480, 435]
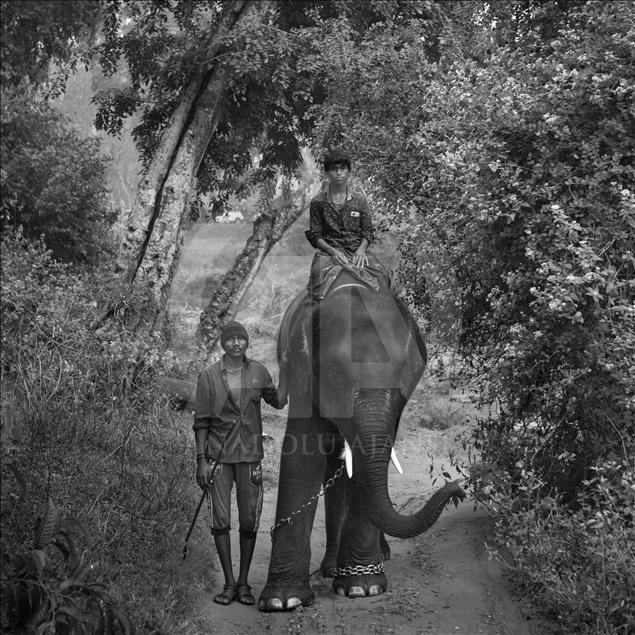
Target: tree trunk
[268, 229]
[151, 247]
[161, 250]
[148, 198]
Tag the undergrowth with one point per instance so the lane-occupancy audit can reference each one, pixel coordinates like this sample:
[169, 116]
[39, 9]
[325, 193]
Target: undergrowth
[84, 426]
[576, 563]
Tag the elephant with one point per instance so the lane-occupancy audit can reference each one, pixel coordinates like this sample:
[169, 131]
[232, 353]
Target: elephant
[354, 359]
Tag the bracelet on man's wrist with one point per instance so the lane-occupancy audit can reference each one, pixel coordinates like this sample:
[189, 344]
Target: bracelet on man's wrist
[201, 456]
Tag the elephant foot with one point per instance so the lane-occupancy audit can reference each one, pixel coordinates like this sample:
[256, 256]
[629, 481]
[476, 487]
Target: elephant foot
[355, 584]
[278, 598]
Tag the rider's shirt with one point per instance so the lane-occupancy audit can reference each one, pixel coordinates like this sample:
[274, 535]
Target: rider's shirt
[342, 227]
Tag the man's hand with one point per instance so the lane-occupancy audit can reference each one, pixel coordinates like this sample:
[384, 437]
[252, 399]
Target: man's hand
[360, 259]
[202, 473]
[339, 257]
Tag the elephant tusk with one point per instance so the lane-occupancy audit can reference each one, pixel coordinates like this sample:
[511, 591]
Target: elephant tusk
[395, 461]
[348, 459]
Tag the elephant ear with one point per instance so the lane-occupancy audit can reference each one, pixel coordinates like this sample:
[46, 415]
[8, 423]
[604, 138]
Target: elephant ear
[416, 359]
[290, 319]
[292, 336]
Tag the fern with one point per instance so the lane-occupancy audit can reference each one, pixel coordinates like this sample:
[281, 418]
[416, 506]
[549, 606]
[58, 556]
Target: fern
[46, 526]
[51, 595]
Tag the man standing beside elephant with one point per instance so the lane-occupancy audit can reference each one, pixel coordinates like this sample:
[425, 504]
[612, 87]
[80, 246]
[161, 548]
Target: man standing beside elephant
[228, 432]
[341, 227]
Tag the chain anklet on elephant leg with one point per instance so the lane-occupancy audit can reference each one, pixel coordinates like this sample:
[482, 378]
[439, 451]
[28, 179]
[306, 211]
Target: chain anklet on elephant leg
[359, 569]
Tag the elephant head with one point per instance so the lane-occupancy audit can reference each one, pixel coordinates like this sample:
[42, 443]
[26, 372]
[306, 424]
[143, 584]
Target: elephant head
[368, 356]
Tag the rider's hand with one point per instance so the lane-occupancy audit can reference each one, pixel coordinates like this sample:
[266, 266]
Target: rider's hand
[339, 257]
[360, 259]
[202, 473]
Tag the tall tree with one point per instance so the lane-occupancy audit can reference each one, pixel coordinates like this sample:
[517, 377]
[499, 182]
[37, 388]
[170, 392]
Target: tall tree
[53, 180]
[151, 245]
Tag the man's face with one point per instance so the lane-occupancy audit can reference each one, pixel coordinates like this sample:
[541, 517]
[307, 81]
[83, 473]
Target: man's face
[235, 346]
[338, 173]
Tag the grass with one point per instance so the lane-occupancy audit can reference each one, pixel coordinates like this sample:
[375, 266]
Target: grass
[85, 428]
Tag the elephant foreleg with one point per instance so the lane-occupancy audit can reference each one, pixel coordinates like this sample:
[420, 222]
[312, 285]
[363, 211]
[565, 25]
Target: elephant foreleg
[301, 469]
[360, 569]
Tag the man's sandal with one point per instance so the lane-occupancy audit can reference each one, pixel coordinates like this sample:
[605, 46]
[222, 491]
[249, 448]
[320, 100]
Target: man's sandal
[244, 594]
[227, 596]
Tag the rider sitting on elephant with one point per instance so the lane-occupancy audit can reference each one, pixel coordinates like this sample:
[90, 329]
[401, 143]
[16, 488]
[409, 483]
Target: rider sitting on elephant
[341, 227]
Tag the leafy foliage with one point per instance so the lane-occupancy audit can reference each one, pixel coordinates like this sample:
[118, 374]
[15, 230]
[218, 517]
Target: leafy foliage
[506, 166]
[85, 423]
[543, 246]
[49, 589]
[53, 180]
[578, 565]
[275, 83]
[36, 34]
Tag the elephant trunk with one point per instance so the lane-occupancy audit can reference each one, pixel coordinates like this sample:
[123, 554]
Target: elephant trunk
[371, 454]
[394, 524]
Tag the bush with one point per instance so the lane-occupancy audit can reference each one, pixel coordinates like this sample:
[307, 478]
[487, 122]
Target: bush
[85, 427]
[506, 167]
[545, 251]
[579, 566]
[53, 180]
[535, 213]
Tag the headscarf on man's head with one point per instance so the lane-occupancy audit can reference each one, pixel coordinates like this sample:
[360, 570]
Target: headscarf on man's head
[233, 328]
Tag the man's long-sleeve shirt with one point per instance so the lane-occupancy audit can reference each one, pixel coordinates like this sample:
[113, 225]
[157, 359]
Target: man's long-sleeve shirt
[343, 228]
[236, 428]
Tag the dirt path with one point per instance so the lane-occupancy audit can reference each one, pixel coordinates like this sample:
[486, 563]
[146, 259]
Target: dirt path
[442, 582]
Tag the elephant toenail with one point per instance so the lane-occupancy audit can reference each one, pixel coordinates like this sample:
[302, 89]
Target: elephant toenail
[293, 602]
[374, 589]
[340, 590]
[356, 592]
[275, 604]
